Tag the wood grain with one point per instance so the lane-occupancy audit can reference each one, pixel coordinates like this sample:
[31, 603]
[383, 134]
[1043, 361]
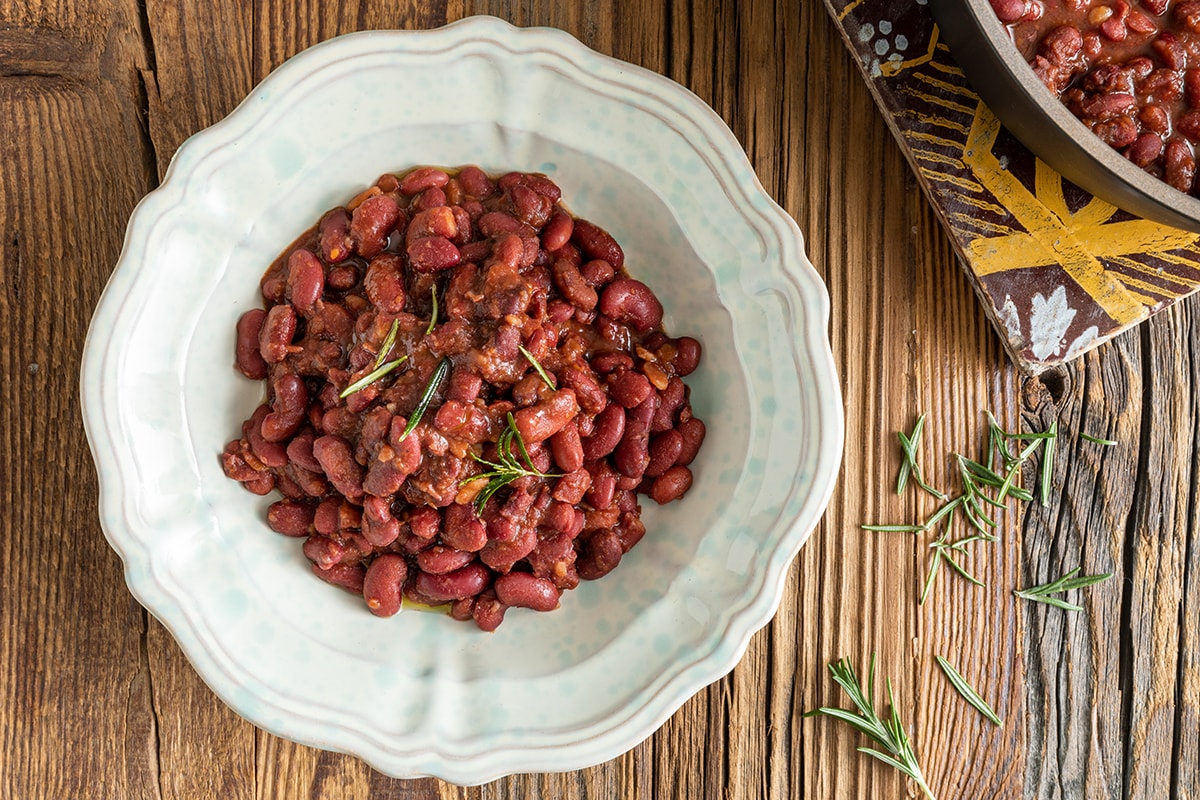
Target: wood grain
[96, 699]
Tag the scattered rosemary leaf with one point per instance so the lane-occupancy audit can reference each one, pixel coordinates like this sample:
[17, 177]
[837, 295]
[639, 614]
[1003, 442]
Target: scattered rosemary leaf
[908, 446]
[388, 342]
[897, 528]
[888, 734]
[1098, 440]
[1048, 461]
[529, 357]
[434, 315]
[372, 376]
[969, 694]
[1042, 594]
[439, 375]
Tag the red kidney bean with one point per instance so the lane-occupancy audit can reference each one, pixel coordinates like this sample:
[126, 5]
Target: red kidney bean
[248, 357]
[630, 389]
[522, 590]
[379, 527]
[531, 207]
[607, 363]
[610, 428]
[335, 240]
[671, 485]
[495, 223]
[597, 243]
[311, 483]
[348, 576]
[431, 198]
[337, 460]
[277, 332]
[260, 485]
[501, 555]
[540, 422]
[557, 231]
[325, 520]
[305, 281]
[299, 451]
[271, 454]
[1188, 124]
[597, 273]
[383, 584]
[423, 178]
[601, 554]
[439, 560]
[687, 356]
[324, 552]
[692, 432]
[488, 611]
[573, 287]
[588, 391]
[1179, 165]
[432, 254]
[603, 486]
[665, 449]
[384, 283]
[371, 223]
[567, 449]
[289, 411]
[463, 530]
[572, 486]
[630, 531]
[670, 403]
[476, 182]
[536, 181]
[463, 609]
[1145, 150]
[291, 518]
[628, 301]
[464, 582]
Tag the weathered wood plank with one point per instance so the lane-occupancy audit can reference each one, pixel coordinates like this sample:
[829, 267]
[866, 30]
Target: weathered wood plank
[73, 678]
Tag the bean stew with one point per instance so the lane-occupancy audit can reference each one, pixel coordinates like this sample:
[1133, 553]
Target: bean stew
[467, 395]
[1128, 69]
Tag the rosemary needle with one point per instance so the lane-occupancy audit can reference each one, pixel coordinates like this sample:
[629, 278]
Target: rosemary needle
[439, 375]
[434, 315]
[1042, 594]
[372, 376]
[529, 357]
[968, 693]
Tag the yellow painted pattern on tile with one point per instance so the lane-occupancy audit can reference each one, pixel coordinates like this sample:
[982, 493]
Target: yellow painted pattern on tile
[976, 222]
[962, 183]
[937, 122]
[934, 157]
[1158, 273]
[948, 88]
[889, 68]
[1045, 227]
[931, 139]
[933, 99]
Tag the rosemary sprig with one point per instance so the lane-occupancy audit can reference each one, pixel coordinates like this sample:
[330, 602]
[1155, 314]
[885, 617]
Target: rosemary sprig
[888, 734]
[529, 357]
[506, 468]
[439, 375]
[372, 376]
[1098, 440]
[433, 317]
[968, 693]
[908, 445]
[1042, 594]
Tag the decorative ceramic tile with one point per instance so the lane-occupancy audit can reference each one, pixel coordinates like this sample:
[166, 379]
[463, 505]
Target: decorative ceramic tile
[1059, 271]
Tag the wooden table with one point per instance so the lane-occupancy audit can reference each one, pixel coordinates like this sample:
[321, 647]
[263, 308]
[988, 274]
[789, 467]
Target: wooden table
[96, 700]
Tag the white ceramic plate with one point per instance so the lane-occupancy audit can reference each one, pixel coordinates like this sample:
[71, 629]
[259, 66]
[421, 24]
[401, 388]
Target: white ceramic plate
[421, 694]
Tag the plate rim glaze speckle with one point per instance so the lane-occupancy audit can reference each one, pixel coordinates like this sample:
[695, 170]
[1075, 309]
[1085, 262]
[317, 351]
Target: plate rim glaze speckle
[157, 382]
